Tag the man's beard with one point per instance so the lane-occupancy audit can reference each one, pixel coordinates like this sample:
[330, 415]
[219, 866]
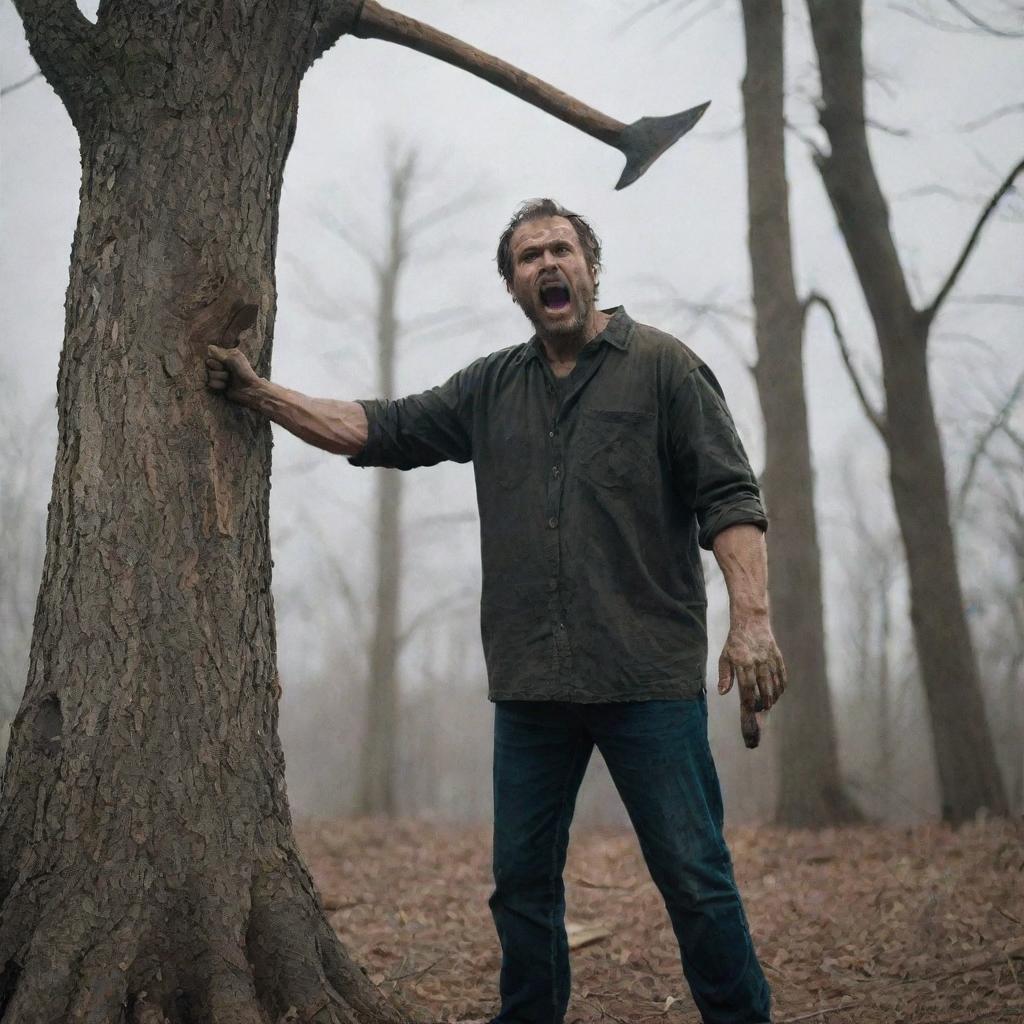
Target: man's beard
[561, 328]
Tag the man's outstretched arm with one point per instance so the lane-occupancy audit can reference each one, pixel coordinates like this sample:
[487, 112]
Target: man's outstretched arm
[750, 655]
[338, 427]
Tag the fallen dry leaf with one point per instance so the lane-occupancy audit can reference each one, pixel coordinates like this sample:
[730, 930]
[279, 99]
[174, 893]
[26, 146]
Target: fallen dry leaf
[854, 926]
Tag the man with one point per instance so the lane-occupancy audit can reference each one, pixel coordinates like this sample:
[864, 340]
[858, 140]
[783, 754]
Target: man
[604, 454]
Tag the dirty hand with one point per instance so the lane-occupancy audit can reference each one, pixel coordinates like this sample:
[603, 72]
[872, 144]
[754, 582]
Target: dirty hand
[753, 659]
[228, 370]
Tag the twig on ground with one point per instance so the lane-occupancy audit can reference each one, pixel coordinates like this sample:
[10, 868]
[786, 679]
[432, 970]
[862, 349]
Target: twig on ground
[1008, 916]
[608, 1013]
[818, 1013]
[416, 974]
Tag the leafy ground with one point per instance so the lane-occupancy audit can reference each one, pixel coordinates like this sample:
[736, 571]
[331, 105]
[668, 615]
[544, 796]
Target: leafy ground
[854, 926]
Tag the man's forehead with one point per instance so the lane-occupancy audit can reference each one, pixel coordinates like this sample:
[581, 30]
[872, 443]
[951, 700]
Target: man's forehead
[542, 230]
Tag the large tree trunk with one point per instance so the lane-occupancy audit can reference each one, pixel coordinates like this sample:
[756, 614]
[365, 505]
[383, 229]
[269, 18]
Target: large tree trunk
[810, 789]
[969, 776]
[148, 870]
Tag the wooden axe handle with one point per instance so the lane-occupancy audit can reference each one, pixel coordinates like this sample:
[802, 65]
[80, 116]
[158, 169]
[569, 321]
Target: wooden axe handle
[376, 22]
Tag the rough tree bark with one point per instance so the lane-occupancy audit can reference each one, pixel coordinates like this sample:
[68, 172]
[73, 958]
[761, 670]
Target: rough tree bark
[810, 788]
[969, 777]
[148, 870]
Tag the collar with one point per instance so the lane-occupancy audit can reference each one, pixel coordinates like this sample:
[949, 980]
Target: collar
[617, 333]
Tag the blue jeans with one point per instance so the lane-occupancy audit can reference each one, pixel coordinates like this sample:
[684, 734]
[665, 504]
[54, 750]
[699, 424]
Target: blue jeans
[658, 755]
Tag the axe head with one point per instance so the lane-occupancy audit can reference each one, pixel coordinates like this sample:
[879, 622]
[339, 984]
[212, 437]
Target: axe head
[645, 140]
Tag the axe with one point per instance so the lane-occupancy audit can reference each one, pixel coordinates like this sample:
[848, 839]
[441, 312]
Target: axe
[641, 142]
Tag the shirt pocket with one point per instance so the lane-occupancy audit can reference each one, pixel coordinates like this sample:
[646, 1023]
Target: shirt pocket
[616, 449]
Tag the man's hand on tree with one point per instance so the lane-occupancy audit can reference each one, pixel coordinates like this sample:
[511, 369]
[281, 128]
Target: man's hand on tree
[228, 370]
[752, 658]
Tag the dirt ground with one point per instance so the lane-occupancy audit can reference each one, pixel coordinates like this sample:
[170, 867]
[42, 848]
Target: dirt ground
[854, 926]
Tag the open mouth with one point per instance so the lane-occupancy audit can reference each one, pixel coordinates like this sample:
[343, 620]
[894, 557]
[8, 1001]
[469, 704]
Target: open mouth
[554, 296]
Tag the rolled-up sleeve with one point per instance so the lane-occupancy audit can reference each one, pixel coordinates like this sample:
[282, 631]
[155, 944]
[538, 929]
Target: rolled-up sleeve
[710, 463]
[420, 430]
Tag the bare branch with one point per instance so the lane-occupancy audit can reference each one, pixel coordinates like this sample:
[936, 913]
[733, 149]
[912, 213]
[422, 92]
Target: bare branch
[900, 133]
[351, 237]
[963, 338]
[995, 115]
[816, 151]
[1017, 439]
[649, 8]
[351, 599]
[920, 191]
[994, 426]
[938, 23]
[928, 314]
[983, 25]
[8, 89]
[60, 39]
[989, 299]
[688, 23]
[446, 210]
[875, 417]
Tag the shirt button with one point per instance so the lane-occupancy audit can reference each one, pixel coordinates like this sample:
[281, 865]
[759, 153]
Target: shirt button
[551, 433]
[555, 471]
[553, 522]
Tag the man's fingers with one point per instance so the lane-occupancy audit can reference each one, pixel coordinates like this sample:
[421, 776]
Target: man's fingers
[749, 726]
[748, 684]
[764, 686]
[781, 671]
[724, 674]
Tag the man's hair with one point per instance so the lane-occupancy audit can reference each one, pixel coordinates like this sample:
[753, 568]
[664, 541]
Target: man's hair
[534, 209]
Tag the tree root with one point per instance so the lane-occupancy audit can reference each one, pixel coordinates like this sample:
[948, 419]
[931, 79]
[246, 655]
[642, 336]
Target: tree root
[267, 957]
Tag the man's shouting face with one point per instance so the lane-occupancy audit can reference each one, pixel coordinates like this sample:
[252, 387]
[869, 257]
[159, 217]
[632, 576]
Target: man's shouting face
[551, 279]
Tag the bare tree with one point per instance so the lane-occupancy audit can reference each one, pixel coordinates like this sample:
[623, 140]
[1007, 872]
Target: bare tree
[810, 788]
[387, 635]
[968, 771]
[874, 567]
[990, 512]
[378, 789]
[146, 851]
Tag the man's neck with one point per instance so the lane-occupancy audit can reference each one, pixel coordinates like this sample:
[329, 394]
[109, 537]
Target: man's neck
[562, 350]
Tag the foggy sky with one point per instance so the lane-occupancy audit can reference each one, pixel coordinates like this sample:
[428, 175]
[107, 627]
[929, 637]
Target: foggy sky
[682, 223]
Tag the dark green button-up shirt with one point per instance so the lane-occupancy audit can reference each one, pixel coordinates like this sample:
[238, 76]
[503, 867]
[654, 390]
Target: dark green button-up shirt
[594, 493]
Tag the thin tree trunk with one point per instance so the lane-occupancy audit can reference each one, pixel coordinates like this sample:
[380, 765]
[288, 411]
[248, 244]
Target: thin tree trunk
[378, 789]
[147, 862]
[885, 703]
[968, 772]
[810, 788]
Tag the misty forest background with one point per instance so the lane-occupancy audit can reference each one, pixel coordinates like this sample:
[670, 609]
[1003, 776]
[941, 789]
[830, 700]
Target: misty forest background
[402, 175]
